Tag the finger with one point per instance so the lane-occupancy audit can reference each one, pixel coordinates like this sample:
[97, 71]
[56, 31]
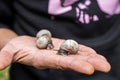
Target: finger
[6, 55]
[86, 51]
[91, 55]
[97, 61]
[73, 63]
[5, 59]
[83, 48]
[63, 62]
[101, 57]
[100, 64]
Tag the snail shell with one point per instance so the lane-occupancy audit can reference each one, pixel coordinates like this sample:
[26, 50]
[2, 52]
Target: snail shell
[43, 32]
[68, 47]
[44, 39]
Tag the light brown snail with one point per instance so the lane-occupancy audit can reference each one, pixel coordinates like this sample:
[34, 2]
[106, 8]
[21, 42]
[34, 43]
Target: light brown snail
[44, 39]
[68, 47]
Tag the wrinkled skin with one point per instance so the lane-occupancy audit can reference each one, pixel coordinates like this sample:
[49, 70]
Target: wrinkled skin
[23, 50]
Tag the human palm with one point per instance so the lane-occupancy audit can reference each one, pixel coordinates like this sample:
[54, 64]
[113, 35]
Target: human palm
[23, 50]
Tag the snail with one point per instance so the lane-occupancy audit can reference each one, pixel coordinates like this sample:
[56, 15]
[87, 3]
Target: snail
[68, 47]
[44, 40]
[43, 32]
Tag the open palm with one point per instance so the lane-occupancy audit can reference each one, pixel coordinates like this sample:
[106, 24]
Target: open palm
[23, 50]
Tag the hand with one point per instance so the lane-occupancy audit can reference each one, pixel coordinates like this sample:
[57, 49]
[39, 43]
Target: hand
[23, 50]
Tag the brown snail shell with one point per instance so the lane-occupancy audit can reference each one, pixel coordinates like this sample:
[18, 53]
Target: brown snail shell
[69, 47]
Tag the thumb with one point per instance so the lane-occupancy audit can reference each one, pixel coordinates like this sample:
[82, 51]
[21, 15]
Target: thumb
[6, 55]
[5, 59]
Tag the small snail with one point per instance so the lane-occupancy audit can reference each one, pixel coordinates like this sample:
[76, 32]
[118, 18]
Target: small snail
[68, 47]
[43, 32]
[44, 39]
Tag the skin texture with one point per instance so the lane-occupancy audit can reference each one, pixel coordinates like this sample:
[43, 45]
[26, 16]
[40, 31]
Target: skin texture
[22, 49]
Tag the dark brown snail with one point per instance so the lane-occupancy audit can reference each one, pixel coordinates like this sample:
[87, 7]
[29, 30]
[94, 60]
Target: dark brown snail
[68, 47]
[44, 39]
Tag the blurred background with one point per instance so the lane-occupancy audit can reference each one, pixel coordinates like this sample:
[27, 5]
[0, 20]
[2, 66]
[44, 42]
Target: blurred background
[4, 74]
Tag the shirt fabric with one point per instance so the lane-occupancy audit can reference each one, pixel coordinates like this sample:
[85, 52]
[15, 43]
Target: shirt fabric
[94, 23]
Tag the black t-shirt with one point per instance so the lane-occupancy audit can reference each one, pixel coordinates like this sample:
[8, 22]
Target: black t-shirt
[94, 23]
